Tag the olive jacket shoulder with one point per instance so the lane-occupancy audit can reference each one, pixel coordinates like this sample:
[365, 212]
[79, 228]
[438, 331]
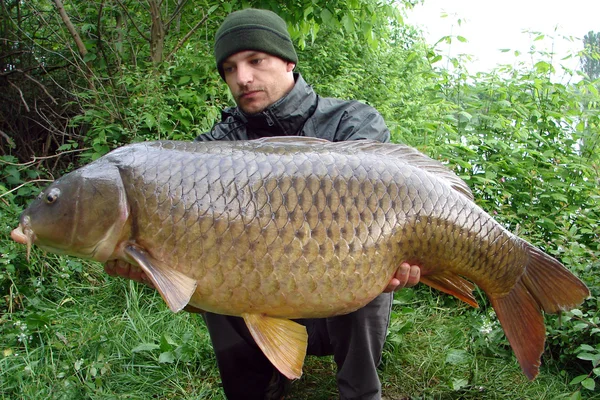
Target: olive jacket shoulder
[303, 113]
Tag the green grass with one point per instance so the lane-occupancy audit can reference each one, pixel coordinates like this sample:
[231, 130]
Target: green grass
[83, 335]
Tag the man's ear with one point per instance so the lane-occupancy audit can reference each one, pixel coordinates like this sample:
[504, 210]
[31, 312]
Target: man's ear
[290, 66]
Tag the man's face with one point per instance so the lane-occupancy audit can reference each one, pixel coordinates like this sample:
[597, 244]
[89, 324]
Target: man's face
[257, 79]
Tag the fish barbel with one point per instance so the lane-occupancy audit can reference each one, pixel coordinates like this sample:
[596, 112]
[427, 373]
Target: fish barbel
[283, 228]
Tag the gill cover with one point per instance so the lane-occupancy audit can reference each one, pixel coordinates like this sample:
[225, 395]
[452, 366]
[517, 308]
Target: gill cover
[82, 214]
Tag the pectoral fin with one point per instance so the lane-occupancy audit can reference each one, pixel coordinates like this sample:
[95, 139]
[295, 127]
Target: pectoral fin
[175, 288]
[284, 342]
[453, 284]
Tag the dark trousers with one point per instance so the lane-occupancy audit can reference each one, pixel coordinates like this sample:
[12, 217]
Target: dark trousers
[355, 340]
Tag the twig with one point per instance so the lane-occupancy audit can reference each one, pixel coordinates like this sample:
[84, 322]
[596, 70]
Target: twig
[186, 37]
[132, 21]
[177, 10]
[36, 159]
[23, 184]
[20, 93]
[42, 86]
[11, 142]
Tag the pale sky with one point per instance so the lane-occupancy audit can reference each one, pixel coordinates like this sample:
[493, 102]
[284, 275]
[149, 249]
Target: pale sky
[493, 25]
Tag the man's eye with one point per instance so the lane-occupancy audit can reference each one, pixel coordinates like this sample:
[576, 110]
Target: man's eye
[228, 69]
[256, 61]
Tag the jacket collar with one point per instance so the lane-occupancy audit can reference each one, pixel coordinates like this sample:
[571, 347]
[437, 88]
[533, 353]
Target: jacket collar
[286, 116]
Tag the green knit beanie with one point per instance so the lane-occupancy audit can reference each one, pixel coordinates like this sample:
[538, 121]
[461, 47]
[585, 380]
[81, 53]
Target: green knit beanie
[253, 29]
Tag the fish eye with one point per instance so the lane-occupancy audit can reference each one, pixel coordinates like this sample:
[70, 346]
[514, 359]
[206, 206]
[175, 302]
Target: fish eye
[52, 195]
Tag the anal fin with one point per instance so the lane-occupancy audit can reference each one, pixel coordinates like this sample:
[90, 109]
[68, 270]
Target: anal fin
[452, 284]
[283, 342]
[175, 288]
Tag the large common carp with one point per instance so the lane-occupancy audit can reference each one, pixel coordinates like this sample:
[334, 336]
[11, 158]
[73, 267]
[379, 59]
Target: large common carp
[284, 228]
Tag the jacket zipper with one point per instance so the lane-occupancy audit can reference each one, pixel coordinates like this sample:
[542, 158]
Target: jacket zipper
[269, 119]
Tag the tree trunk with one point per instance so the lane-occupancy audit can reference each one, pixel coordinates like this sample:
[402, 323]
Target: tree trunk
[157, 33]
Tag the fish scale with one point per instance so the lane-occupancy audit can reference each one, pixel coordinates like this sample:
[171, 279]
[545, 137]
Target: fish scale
[282, 228]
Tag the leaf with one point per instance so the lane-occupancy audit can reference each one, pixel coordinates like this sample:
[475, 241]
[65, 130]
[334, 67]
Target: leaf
[326, 16]
[586, 347]
[594, 358]
[348, 23]
[307, 11]
[577, 312]
[166, 343]
[149, 120]
[212, 9]
[578, 379]
[145, 347]
[462, 39]
[465, 115]
[89, 57]
[457, 357]
[575, 396]
[458, 384]
[166, 357]
[589, 384]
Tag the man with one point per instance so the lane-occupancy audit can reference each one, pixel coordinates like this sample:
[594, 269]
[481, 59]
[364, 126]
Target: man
[256, 58]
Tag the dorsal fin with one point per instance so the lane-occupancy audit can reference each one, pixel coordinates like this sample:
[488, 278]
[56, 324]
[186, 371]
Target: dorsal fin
[411, 156]
[403, 153]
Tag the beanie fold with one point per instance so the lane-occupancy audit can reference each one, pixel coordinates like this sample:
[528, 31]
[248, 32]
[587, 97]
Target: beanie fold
[253, 29]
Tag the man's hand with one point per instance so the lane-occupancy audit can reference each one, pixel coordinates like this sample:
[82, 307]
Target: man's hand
[406, 276]
[127, 271]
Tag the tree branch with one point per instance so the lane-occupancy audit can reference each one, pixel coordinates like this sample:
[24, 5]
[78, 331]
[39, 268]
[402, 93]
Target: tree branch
[63, 15]
[178, 9]
[42, 86]
[186, 37]
[133, 22]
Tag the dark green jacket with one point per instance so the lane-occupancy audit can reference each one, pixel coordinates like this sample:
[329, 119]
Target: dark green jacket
[303, 113]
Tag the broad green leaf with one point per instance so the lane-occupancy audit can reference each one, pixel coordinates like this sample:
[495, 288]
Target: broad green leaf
[145, 347]
[326, 16]
[589, 384]
[457, 357]
[575, 396]
[458, 384]
[89, 56]
[166, 357]
[578, 379]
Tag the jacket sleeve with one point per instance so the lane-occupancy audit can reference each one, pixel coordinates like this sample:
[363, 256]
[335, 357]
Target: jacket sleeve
[205, 137]
[362, 121]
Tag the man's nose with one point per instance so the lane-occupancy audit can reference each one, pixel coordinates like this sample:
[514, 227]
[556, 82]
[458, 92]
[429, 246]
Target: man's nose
[244, 75]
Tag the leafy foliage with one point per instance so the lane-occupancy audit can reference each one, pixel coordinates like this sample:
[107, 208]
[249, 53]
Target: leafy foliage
[590, 60]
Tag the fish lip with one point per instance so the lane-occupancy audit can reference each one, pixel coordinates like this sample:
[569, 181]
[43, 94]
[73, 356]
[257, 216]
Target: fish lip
[23, 234]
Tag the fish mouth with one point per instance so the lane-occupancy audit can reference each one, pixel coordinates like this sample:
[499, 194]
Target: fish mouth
[23, 235]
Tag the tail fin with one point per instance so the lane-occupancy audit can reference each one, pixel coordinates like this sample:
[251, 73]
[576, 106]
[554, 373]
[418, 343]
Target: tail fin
[546, 285]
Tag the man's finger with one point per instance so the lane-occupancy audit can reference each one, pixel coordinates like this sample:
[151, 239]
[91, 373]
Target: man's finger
[414, 276]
